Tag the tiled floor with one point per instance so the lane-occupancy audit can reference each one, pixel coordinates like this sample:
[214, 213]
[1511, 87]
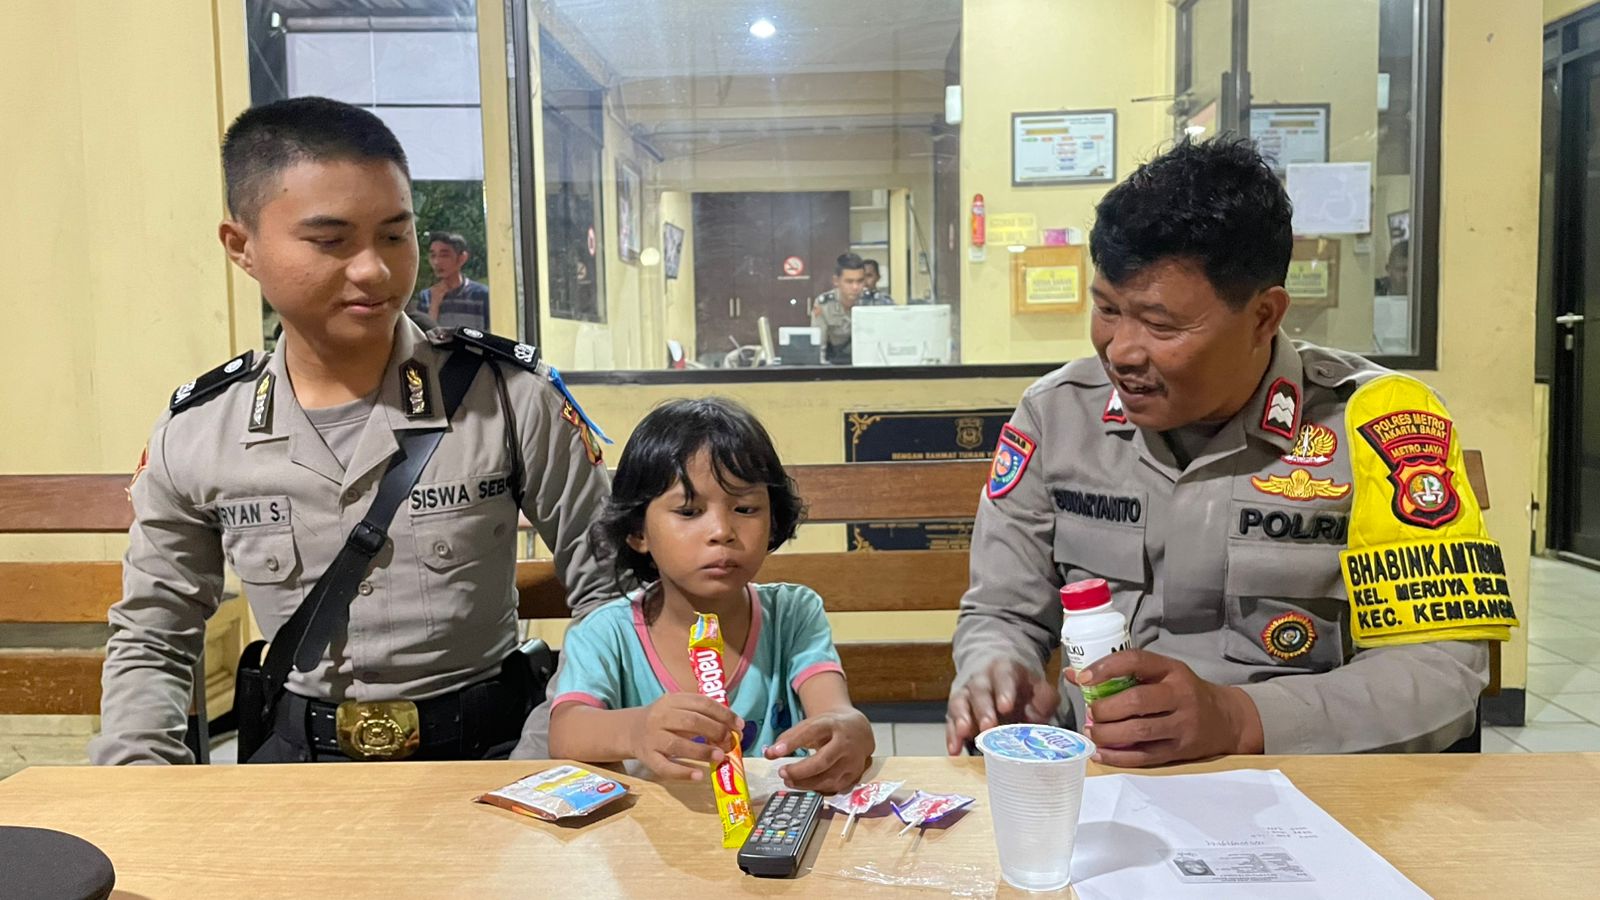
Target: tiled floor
[1563, 664]
[1563, 687]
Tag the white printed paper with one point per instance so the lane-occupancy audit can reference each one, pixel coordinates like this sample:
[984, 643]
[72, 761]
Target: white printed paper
[1331, 198]
[1240, 834]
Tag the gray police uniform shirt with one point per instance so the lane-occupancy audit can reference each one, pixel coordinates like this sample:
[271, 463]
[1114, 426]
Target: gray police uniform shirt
[828, 313]
[244, 479]
[1241, 584]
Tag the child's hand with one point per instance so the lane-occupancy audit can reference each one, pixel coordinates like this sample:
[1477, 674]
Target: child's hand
[668, 729]
[842, 745]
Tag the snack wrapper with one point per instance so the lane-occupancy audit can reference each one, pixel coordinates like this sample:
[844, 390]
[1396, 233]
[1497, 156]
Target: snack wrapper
[558, 793]
[727, 779]
[924, 809]
[863, 797]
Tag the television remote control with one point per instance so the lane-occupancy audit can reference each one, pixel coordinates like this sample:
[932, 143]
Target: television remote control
[781, 835]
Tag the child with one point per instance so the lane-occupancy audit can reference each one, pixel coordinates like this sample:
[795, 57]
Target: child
[700, 499]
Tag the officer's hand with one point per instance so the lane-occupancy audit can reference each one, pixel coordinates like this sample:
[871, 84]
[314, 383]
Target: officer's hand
[668, 730]
[841, 744]
[1005, 691]
[1171, 715]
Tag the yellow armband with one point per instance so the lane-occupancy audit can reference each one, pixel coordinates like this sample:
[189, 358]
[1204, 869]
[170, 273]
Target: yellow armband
[1419, 565]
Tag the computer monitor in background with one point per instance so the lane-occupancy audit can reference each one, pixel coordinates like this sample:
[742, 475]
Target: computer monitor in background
[799, 346]
[900, 335]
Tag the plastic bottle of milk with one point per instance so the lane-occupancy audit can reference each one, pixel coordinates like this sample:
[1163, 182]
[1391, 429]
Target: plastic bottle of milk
[1092, 630]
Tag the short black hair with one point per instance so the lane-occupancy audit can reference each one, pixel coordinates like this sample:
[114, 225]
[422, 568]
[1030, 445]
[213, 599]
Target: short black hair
[846, 262]
[267, 139]
[657, 457]
[455, 241]
[871, 264]
[1214, 203]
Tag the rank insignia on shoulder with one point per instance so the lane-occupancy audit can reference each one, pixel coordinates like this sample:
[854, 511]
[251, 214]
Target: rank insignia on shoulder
[1114, 411]
[1299, 485]
[1282, 409]
[524, 355]
[261, 405]
[1011, 456]
[1313, 446]
[1289, 635]
[208, 385]
[414, 396]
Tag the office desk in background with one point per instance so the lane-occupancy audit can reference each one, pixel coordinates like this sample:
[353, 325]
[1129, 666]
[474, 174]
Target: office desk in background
[1493, 826]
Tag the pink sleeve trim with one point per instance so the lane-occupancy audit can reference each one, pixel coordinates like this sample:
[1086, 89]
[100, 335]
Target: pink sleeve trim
[579, 697]
[815, 669]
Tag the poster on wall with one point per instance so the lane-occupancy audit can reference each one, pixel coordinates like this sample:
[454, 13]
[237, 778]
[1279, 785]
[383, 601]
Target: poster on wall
[629, 215]
[672, 248]
[1066, 147]
[901, 436]
[1290, 134]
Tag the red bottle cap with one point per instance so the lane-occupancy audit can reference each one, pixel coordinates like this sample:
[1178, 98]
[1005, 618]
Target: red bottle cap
[1085, 595]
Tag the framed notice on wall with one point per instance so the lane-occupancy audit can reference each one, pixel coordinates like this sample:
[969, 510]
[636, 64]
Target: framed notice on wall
[1047, 280]
[629, 213]
[1290, 134]
[1313, 278]
[1066, 147]
[672, 248]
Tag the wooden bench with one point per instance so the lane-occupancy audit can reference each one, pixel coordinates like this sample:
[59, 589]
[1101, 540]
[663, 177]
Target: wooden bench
[44, 681]
[880, 671]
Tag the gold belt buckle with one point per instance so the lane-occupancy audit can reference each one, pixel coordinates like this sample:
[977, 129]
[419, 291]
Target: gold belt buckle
[383, 729]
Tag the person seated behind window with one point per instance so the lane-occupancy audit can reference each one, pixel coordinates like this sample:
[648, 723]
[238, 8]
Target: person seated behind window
[872, 296]
[454, 300]
[1396, 280]
[699, 501]
[831, 310]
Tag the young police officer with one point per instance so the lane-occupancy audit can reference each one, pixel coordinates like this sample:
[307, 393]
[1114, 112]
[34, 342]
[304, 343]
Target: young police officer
[390, 587]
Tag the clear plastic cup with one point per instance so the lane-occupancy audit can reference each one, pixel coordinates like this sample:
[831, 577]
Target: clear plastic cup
[1035, 775]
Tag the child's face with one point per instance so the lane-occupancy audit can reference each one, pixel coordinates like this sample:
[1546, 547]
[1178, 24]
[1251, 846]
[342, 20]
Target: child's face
[333, 249]
[712, 547]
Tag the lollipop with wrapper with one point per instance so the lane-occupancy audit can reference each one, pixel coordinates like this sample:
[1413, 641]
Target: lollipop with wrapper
[861, 799]
[924, 809]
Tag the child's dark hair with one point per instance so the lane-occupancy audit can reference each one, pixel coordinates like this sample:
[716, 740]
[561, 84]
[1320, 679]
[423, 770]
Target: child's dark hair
[267, 139]
[657, 456]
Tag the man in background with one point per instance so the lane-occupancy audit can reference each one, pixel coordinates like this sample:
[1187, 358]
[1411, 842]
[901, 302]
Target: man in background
[872, 296]
[454, 300]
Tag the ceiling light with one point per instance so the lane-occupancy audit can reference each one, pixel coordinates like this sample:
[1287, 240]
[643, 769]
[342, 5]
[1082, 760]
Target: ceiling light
[763, 28]
[1195, 130]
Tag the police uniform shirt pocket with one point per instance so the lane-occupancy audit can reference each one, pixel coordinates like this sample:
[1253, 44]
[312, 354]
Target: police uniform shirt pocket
[1100, 534]
[1284, 607]
[262, 555]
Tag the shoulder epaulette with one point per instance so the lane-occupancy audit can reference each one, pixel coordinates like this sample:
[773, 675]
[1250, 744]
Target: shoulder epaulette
[211, 383]
[524, 355]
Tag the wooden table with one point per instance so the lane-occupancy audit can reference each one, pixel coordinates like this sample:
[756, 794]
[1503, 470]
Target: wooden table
[1458, 825]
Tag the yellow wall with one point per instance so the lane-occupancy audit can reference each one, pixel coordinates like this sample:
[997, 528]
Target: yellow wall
[1033, 56]
[1556, 9]
[1489, 242]
[113, 191]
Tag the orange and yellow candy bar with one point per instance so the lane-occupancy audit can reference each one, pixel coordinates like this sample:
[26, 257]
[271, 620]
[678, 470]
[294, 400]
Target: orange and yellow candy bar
[727, 779]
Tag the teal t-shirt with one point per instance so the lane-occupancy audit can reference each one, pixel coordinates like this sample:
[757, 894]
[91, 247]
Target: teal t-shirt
[607, 660]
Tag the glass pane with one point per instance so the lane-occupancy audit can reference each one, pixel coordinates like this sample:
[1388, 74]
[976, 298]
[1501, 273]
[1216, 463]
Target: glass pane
[1338, 116]
[415, 65]
[725, 159]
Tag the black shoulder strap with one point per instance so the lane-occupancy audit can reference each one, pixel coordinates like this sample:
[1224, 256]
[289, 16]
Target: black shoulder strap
[208, 385]
[308, 633]
[524, 355]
